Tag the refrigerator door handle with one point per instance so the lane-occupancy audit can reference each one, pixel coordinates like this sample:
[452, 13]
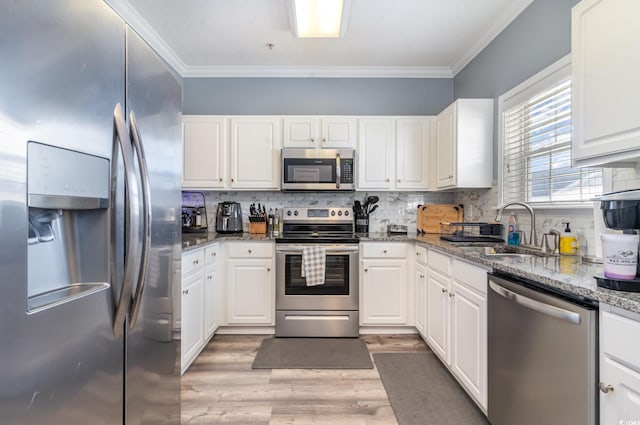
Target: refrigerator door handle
[146, 219]
[132, 220]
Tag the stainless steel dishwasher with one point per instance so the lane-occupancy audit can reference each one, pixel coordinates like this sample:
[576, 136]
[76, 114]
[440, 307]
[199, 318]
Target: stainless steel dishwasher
[542, 355]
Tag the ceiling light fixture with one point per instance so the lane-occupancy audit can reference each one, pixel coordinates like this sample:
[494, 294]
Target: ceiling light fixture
[319, 18]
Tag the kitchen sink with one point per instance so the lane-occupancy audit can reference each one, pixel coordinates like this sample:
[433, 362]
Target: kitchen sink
[501, 251]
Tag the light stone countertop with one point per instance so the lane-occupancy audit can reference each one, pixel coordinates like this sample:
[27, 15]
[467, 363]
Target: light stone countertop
[566, 274]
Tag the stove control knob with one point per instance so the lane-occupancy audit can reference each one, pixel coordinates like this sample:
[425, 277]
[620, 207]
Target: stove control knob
[295, 213]
[333, 213]
[340, 213]
[346, 213]
[289, 213]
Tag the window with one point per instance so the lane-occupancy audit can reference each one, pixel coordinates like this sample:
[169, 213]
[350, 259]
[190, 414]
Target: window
[536, 143]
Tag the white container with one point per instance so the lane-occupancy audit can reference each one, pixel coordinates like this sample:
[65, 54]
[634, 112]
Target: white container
[620, 254]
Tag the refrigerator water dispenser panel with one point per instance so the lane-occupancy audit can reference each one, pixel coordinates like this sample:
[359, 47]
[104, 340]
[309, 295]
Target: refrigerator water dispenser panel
[68, 238]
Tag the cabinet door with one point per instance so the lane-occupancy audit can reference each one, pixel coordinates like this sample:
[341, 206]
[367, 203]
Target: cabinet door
[210, 301]
[421, 299]
[446, 147]
[300, 132]
[438, 315]
[338, 132]
[384, 292]
[192, 338]
[621, 405]
[376, 153]
[204, 140]
[412, 152]
[605, 50]
[251, 292]
[469, 340]
[255, 152]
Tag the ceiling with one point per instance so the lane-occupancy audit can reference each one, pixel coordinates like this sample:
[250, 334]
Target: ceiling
[384, 38]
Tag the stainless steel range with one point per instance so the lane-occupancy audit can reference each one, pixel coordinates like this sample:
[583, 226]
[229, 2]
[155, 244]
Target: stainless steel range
[329, 309]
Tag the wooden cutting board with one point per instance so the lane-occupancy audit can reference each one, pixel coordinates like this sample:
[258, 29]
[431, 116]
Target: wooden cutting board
[431, 215]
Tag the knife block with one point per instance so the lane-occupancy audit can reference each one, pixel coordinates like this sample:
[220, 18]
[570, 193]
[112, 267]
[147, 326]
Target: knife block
[258, 227]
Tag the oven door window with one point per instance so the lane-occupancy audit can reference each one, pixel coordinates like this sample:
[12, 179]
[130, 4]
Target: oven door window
[336, 280]
[301, 170]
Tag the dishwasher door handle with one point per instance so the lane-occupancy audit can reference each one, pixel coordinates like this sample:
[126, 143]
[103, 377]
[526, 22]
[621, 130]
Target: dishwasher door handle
[540, 307]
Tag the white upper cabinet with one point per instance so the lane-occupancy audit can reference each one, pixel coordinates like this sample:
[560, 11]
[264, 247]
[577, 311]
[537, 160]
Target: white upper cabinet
[255, 152]
[413, 135]
[393, 153]
[605, 56]
[319, 132]
[464, 145]
[204, 152]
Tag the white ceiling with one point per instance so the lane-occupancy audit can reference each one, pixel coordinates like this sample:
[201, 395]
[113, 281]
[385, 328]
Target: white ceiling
[387, 38]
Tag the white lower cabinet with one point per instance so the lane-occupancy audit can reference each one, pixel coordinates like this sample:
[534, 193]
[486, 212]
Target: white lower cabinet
[457, 320]
[421, 299]
[384, 284]
[192, 307]
[212, 291]
[250, 283]
[619, 366]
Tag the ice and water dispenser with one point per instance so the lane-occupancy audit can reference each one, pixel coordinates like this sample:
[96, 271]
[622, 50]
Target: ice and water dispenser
[68, 240]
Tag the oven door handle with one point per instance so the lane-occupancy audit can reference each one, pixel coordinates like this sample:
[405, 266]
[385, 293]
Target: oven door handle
[338, 171]
[341, 251]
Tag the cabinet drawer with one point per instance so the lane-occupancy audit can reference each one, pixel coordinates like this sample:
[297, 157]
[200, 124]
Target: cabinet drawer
[616, 333]
[439, 262]
[472, 276]
[192, 261]
[421, 254]
[250, 250]
[211, 253]
[384, 250]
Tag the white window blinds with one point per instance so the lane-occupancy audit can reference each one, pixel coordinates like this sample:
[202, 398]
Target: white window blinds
[537, 147]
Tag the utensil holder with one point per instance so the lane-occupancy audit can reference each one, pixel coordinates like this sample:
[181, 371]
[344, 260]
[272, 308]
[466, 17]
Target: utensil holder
[362, 223]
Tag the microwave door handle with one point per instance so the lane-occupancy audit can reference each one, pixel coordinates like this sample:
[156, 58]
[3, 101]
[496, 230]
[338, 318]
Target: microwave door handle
[338, 171]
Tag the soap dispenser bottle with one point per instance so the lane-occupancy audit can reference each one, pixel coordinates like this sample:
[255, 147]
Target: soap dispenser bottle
[568, 242]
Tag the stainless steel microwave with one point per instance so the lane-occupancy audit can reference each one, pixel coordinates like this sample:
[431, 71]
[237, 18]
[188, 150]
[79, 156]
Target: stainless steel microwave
[318, 169]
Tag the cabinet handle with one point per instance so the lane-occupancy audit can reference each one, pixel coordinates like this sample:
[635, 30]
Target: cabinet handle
[366, 270]
[195, 262]
[220, 179]
[444, 290]
[249, 251]
[324, 140]
[388, 180]
[268, 269]
[232, 180]
[421, 276]
[209, 277]
[385, 251]
[312, 140]
[418, 253]
[452, 294]
[213, 254]
[399, 180]
[605, 388]
[450, 176]
[186, 292]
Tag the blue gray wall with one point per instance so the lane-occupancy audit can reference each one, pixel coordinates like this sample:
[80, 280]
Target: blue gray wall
[316, 96]
[534, 40]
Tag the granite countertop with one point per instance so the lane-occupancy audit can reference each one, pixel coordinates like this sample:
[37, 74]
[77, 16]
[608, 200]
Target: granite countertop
[567, 274]
[191, 241]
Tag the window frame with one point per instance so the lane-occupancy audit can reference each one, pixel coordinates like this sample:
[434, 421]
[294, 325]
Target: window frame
[550, 76]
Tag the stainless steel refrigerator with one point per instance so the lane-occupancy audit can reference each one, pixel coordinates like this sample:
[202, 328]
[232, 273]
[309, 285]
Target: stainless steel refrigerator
[90, 164]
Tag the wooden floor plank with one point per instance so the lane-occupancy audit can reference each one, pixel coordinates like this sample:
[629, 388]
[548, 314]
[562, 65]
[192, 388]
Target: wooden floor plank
[221, 388]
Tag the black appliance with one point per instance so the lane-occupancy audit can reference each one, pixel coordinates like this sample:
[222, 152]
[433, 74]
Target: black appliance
[229, 218]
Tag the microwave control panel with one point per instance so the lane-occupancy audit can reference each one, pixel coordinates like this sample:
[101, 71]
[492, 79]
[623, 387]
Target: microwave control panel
[346, 166]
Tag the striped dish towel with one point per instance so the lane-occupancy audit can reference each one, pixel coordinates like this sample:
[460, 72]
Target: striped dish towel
[313, 265]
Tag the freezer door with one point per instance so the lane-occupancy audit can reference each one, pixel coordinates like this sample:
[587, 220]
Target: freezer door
[62, 74]
[154, 100]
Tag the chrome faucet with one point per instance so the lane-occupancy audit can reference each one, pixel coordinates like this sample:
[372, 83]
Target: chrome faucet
[533, 240]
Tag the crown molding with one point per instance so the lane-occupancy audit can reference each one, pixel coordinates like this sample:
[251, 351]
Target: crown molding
[316, 72]
[512, 12]
[131, 16]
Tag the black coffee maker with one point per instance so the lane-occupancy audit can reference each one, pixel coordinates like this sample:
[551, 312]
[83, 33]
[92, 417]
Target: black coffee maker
[621, 211]
[229, 218]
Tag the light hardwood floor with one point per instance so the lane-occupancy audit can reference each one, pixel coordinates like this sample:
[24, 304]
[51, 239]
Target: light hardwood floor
[221, 388]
